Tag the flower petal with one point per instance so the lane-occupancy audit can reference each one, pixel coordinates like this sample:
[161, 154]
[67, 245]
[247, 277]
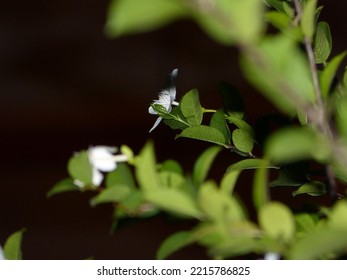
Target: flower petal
[101, 158]
[156, 124]
[97, 177]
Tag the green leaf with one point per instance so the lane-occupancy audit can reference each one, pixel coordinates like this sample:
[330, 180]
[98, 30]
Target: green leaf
[171, 165]
[278, 19]
[240, 124]
[250, 164]
[111, 194]
[322, 42]
[205, 133]
[338, 216]
[171, 179]
[289, 177]
[313, 188]
[65, 185]
[191, 108]
[308, 18]
[232, 20]
[228, 181]
[12, 246]
[306, 222]
[173, 200]
[260, 185]
[290, 87]
[203, 164]
[277, 221]
[146, 169]
[341, 116]
[218, 121]
[79, 168]
[173, 243]
[295, 144]
[329, 73]
[136, 16]
[176, 119]
[232, 100]
[122, 175]
[242, 140]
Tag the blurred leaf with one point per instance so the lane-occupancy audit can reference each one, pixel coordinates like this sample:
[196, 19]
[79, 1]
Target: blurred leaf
[232, 100]
[171, 165]
[341, 116]
[65, 185]
[281, 6]
[322, 42]
[260, 186]
[277, 221]
[227, 21]
[146, 169]
[171, 179]
[290, 87]
[203, 164]
[122, 175]
[329, 73]
[306, 222]
[278, 19]
[115, 193]
[250, 164]
[205, 133]
[12, 246]
[338, 216]
[79, 168]
[173, 243]
[308, 18]
[228, 181]
[242, 140]
[294, 144]
[174, 201]
[191, 108]
[313, 188]
[218, 121]
[135, 16]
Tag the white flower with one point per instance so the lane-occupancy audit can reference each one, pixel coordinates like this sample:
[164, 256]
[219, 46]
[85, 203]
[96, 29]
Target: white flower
[166, 99]
[271, 256]
[102, 159]
[2, 257]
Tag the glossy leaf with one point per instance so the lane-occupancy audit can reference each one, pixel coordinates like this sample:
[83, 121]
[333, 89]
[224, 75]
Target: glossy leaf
[313, 188]
[322, 42]
[203, 164]
[308, 18]
[173, 243]
[242, 140]
[191, 108]
[12, 246]
[65, 185]
[205, 133]
[277, 221]
[135, 16]
[176, 120]
[218, 122]
[79, 168]
[240, 124]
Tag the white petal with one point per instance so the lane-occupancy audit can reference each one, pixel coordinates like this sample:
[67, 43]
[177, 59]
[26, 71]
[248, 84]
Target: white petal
[156, 124]
[151, 111]
[271, 256]
[101, 158]
[97, 177]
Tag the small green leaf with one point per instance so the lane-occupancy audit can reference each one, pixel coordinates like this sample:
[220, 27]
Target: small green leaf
[191, 108]
[308, 18]
[242, 140]
[232, 100]
[135, 16]
[240, 124]
[122, 175]
[146, 169]
[294, 144]
[322, 42]
[65, 185]
[176, 119]
[173, 243]
[313, 188]
[111, 194]
[277, 221]
[250, 164]
[203, 164]
[218, 121]
[228, 181]
[329, 72]
[171, 165]
[79, 168]
[12, 246]
[205, 133]
[173, 200]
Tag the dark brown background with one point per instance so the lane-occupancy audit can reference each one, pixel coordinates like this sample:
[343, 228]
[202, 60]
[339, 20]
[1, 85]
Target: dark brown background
[65, 86]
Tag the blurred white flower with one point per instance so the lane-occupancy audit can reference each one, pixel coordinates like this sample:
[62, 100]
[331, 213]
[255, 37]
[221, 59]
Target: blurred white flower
[2, 257]
[102, 159]
[166, 99]
[271, 256]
